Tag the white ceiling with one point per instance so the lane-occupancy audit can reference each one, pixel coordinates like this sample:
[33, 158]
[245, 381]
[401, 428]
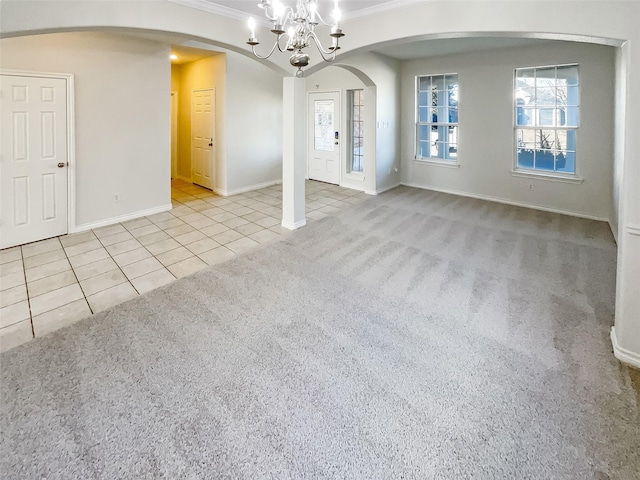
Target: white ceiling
[189, 54]
[348, 7]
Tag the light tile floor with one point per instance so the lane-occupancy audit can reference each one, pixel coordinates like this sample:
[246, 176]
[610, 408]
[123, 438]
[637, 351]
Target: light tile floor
[49, 284]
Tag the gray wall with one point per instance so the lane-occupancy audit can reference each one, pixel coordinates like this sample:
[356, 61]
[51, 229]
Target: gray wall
[122, 116]
[486, 138]
[253, 124]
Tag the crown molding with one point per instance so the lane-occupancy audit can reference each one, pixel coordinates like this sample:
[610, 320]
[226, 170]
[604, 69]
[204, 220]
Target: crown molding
[211, 7]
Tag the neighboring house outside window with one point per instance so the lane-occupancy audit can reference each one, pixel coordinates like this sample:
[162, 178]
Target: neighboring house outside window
[356, 130]
[437, 118]
[546, 119]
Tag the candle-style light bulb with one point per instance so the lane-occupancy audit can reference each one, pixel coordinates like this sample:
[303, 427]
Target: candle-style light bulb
[313, 8]
[291, 42]
[252, 27]
[278, 10]
[336, 32]
[337, 14]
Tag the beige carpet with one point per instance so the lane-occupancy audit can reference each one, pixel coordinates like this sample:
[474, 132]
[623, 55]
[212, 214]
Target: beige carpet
[415, 335]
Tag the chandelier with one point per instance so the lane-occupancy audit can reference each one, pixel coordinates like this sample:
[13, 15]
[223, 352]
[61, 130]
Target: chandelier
[297, 26]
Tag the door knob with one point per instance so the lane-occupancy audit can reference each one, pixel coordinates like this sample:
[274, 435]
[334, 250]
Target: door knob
[61, 164]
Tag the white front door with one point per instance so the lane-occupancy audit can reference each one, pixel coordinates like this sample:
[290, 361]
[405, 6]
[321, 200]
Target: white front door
[202, 139]
[324, 137]
[33, 159]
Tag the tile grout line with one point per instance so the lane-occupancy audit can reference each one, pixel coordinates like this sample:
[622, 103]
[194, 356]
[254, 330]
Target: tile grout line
[199, 230]
[114, 260]
[221, 223]
[181, 245]
[145, 247]
[76, 276]
[26, 287]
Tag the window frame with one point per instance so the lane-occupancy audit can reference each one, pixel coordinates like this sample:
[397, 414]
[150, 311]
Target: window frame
[350, 129]
[537, 126]
[446, 162]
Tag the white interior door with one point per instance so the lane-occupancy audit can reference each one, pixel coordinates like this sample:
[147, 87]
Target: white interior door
[324, 137]
[33, 159]
[202, 137]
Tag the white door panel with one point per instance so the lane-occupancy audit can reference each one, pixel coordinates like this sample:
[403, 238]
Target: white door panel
[324, 137]
[202, 137]
[33, 159]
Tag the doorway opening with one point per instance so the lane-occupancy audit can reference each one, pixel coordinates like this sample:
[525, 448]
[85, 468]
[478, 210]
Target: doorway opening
[324, 137]
[202, 137]
[197, 77]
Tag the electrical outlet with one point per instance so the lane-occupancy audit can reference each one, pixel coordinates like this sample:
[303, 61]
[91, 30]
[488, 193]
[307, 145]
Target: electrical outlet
[531, 186]
[116, 197]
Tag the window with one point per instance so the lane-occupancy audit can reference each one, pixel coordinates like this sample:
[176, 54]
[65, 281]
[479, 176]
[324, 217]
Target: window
[437, 118]
[546, 118]
[356, 130]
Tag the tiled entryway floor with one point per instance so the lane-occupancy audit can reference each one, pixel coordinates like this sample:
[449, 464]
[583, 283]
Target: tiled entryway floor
[52, 283]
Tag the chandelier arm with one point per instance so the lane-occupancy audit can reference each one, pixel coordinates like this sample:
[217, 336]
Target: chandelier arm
[282, 50]
[288, 11]
[277, 43]
[303, 9]
[287, 15]
[327, 56]
[319, 17]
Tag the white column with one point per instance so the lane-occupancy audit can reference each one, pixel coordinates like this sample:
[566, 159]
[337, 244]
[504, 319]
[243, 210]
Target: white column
[626, 333]
[294, 156]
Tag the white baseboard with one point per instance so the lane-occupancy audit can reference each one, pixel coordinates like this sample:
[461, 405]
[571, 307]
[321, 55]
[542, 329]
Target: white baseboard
[508, 202]
[622, 354]
[121, 218]
[183, 178]
[236, 191]
[386, 189]
[382, 190]
[294, 226]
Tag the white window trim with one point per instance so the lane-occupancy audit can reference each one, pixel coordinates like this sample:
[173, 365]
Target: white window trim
[356, 176]
[349, 121]
[551, 176]
[452, 163]
[542, 174]
[438, 163]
